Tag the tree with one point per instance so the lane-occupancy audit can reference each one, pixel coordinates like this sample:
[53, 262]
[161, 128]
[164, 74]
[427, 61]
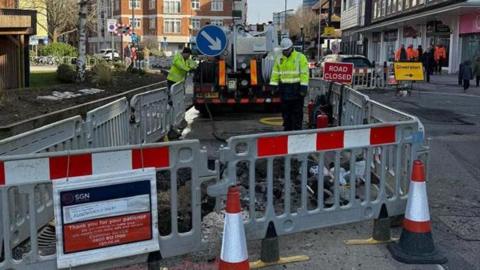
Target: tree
[82, 39]
[62, 16]
[305, 18]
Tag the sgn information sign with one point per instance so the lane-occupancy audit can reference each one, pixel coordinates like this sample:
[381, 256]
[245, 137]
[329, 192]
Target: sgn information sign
[104, 217]
[338, 72]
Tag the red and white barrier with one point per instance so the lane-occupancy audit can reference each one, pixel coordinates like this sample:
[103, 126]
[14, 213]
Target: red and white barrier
[305, 143]
[23, 171]
[234, 254]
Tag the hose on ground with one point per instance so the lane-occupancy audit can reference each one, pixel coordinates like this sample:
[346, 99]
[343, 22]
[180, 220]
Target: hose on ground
[214, 128]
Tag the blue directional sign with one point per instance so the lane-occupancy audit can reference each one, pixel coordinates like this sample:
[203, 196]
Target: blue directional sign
[211, 40]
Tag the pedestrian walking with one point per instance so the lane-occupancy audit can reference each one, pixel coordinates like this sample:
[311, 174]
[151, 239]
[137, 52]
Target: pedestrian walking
[476, 71]
[401, 54]
[461, 69]
[419, 53]
[428, 62]
[127, 56]
[467, 74]
[290, 77]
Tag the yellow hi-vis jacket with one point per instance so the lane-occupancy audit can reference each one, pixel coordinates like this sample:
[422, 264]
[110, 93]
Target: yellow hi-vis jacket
[180, 68]
[289, 70]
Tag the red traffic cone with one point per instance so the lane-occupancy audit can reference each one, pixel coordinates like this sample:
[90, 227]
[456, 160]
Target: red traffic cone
[416, 243]
[234, 254]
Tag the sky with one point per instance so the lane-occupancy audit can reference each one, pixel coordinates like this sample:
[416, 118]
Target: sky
[261, 11]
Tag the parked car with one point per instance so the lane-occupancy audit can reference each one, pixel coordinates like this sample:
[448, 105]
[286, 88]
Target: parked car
[108, 54]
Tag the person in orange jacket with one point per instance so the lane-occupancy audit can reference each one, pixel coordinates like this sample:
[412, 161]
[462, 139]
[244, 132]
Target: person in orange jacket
[412, 54]
[401, 54]
[440, 57]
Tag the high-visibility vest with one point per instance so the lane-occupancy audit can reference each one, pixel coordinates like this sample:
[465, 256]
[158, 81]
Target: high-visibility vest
[412, 54]
[292, 69]
[180, 68]
[440, 53]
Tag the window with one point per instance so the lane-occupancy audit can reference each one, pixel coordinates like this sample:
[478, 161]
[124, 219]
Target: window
[134, 3]
[172, 6]
[152, 4]
[195, 23]
[172, 26]
[117, 4]
[152, 23]
[217, 5]
[136, 23]
[195, 4]
[216, 22]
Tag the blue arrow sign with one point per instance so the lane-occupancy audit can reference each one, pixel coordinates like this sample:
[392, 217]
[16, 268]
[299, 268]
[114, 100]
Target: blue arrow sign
[211, 40]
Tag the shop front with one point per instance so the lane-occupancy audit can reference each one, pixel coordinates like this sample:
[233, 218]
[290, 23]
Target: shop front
[470, 36]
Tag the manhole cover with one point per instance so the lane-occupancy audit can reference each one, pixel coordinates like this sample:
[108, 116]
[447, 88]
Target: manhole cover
[467, 228]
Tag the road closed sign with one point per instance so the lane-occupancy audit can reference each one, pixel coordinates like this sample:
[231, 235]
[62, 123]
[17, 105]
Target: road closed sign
[408, 71]
[104, 217]
[338, 72]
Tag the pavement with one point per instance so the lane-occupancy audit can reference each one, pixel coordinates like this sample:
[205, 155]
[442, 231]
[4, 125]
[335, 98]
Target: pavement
[451, 118]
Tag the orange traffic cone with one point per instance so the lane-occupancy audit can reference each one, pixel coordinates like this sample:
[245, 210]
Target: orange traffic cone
[234, 254]
[416, 243]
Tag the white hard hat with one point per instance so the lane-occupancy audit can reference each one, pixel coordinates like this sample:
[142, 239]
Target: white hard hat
[286, 44]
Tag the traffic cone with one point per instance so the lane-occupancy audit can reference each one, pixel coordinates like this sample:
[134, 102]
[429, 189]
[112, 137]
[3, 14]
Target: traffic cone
[234, 254]
[416, 243]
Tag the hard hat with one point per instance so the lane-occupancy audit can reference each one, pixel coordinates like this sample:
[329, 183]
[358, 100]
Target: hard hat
[286, 44]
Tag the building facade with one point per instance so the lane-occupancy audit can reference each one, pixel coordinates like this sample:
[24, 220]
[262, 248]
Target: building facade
[172, 23]
[40, 7]
[387, 24]
[16, 26]
[329, 42]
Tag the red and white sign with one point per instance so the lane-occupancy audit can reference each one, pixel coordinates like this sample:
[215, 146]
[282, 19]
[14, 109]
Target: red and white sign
[104, 217]
[338, 72]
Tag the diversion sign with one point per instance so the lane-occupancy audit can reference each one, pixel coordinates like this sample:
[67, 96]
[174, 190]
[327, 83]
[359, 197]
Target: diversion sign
[408, 71]
[105, 217]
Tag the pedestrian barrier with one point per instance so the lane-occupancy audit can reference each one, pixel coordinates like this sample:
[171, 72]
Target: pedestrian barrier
[63, 135]
[318, 178]
[289, 181]
[150, 116]
[180, 164]
[109, 125]
[177, 93]
[106, 126]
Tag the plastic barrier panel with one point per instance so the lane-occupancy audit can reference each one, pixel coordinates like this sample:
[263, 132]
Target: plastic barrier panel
[314, 179]
[181, 171]
[177, 93]
[150, 116]
[109, 125]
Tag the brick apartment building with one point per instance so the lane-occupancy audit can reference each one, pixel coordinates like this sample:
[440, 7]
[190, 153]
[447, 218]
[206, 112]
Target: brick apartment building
[173, 23]
[16, 26]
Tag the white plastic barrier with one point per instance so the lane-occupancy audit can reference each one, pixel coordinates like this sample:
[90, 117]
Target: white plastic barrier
[149, 116]
[109, 125]
[177, 93]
